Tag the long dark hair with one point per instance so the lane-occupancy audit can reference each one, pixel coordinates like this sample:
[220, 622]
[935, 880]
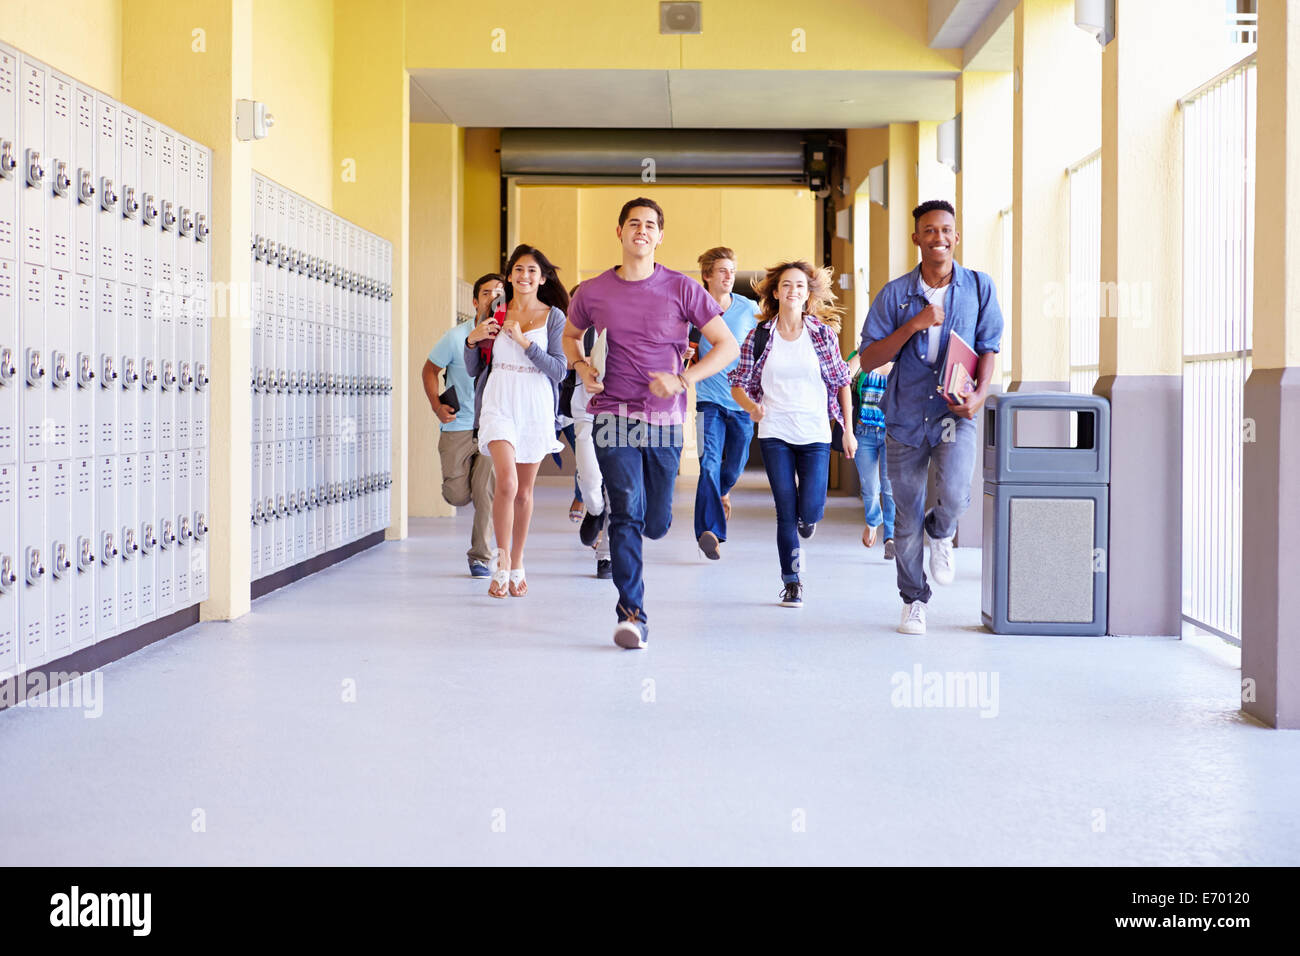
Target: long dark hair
[552, 291]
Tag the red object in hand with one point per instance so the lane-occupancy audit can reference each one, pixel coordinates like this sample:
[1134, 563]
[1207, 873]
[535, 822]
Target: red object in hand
[485, 347]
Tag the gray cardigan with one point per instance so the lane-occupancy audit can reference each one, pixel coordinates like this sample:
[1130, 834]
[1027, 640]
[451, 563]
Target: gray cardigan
[552, 363]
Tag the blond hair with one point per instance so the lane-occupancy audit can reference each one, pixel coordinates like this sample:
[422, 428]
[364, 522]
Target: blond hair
[821, 295]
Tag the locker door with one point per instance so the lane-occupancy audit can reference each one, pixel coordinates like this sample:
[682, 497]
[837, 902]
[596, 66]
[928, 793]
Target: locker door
[85, 552]
[165, 519]
[60, 359]
[147, 540]
[84, 189]
[106, 546]
[268, 507]
[59, 170]
[32, 160]
[184, 528]
[31, 372]
[10, 383]
[31, 574]
[148, 191]
[299, 490]
[60, 560]
[10, 161]
[255, 351]
[128, 538]
[183, 347]
[147, 349]
[308, 495]
[110, 385]
[165, 300]
[128, 341]
[199, 525]
[278, 482]
[254, 517]
[10, 566]
[83, 387]
[201, 303]
[318, 470]
[108, 182]
[281, 364]
[129, 203]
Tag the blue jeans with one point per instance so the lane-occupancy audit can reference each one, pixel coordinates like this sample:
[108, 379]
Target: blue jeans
[723, 437]
[797, 474]
[873, 478]
[640, 464]
[909, 470]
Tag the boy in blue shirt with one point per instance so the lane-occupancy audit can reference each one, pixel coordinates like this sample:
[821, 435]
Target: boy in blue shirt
[910, 322]
[723, 430]
[466, 475]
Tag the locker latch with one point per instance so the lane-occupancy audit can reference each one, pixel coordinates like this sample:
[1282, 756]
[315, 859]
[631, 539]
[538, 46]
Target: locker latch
[85, 374]
[183, 533]
[35, 370]
[281, 254]
[8, 162]
[186, 378]
[168, 375]
[268, 509]
[282, 383]
[281, 509]
[129, 374]
[61, 371]
[259, 248]
[7, 577]
[85, 186]
[35, 173]
[167, 538]
[149, 210]
[187, 221]
[85, 553]
[129, 547]
[130, 205]
[108, 374]
[200, 376]
[62, 565]
[259, 514]
[168, 216]
[259, 380]
[107, 197]
[7, 370]
[107, 549]
[201, 229]
[150, 377]
[147, 539]
[200, 524]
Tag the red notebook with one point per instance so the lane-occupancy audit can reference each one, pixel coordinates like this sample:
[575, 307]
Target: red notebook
[959, 370]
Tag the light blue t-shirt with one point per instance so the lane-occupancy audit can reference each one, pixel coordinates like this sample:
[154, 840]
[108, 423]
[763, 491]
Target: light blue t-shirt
[449, 353]
[741, 317]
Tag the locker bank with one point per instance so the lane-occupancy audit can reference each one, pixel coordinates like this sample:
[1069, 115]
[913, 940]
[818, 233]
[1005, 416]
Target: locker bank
[230, 233]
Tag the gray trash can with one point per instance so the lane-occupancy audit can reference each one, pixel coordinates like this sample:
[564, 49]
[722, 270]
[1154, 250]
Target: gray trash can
[1046, 521]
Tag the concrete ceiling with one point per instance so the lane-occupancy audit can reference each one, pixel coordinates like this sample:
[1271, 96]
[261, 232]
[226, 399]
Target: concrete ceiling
[692, 99]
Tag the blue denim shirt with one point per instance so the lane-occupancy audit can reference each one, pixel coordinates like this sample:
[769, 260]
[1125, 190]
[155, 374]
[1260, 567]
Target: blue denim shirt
[914, 411]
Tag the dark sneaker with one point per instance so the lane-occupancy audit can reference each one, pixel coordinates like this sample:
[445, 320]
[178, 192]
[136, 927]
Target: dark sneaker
[631, 635]
[792, 596]
[604, 569]
[479, 569]
[889, 549]
[807, 530]
[708, 543]
[589, 531]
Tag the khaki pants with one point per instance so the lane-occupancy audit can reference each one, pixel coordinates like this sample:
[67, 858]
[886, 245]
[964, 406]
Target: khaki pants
[467, 476]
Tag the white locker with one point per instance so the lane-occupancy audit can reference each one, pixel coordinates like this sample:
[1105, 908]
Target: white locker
[59, 170]
[254, 517]
[147, 348]
[10, 567]
[83, 387]
[128, 170]
[128, 399]
[10, 161]
[200, 327]
[165, 516]
[106, 397]
[106, 546]
[147, 539]
[60, 560]
[85, 552]
[108, 182]
[128, 538]
[10, 383]
[60, 359]
[321, 515]
[32, 605]
[199, 525]
[31, 372]
[85, 192]
[165, 304]
[268, 507]
[281, 555]
[31, 161]
[168, 377]
[183, 342]
[148, 214]
[297, 507]
[184, 527]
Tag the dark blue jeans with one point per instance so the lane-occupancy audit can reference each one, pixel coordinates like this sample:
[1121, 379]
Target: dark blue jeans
[640, 464]
[723, 437]
[873, 478]
[797, 474]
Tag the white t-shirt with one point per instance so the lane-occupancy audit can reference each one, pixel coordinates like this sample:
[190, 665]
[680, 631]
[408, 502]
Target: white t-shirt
[794, 395]
[935, 297]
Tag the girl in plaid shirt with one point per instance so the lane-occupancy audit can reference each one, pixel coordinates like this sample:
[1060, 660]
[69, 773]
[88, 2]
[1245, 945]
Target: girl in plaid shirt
[794, 385]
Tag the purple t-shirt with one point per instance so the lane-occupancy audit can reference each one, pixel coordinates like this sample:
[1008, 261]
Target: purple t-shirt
[646, 325]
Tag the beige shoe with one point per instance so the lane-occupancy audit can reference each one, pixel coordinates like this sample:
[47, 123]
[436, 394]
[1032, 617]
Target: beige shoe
[869, 536]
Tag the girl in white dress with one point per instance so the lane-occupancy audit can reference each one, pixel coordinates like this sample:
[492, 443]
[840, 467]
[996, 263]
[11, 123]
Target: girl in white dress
[516, 391]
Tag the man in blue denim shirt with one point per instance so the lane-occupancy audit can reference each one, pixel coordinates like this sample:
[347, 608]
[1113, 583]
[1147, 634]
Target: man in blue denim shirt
[910, 321]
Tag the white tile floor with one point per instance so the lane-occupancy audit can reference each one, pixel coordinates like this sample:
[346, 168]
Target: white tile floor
[515, 732]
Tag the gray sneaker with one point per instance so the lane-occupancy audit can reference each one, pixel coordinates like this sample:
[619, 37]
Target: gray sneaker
[889, 549]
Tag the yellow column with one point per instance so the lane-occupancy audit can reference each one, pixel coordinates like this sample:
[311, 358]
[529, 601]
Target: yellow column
[372, 112]
[1057, 120]
[903, 148]
[202, 108]
[436, 150]
[1270, 642]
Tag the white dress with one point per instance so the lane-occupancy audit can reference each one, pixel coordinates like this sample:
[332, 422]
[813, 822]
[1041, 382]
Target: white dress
[518, 401]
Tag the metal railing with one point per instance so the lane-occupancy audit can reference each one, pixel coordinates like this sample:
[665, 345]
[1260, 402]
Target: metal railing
[1085, 271]
[464, 300]
[1218, 277]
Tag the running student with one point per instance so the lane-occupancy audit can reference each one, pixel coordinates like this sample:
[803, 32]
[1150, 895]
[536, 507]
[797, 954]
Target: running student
[645, 310]
[873, 476]
[466, 475]
[909, 323]
[794, 384]
[723, 430]
[518, 366]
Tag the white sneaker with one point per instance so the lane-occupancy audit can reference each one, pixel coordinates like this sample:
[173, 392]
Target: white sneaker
[941, 566]
[913, 621]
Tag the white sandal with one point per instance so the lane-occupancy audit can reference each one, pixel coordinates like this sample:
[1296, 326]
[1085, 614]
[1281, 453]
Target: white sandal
[518, 585]
[497, 588]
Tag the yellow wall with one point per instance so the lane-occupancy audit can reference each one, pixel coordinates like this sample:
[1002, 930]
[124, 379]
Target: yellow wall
[80, 38]
[481, 232]
[293, 74]
[739, 34]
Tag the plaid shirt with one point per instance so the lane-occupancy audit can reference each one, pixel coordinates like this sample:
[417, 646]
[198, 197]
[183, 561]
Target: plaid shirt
[748, 373]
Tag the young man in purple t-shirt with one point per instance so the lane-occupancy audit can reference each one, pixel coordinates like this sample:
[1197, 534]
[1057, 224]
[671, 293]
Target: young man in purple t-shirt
[645, 311]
